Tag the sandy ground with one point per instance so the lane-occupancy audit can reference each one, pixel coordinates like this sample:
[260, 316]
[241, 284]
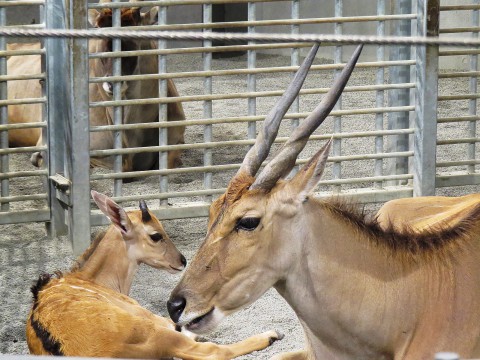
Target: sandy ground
[25, 250]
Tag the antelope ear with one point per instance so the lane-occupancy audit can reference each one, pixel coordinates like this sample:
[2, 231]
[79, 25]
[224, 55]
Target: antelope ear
[113, 211]
[309, 175]
[93, 17]
[150, 17]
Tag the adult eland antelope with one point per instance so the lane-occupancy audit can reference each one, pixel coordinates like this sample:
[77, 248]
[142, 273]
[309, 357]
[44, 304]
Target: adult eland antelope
[359, 291]
[87, 312]
[130, 90]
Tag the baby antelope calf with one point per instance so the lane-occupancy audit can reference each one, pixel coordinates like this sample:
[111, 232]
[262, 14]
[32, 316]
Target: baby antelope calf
[86, 312]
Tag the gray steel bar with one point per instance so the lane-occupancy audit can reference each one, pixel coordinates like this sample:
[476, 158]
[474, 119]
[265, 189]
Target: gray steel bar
[58, 110]
[162, 109]
[473, 87]
[337, 122]
[207, 105]
[77, 135]
[380, 96]
[295, 62]
[251, 77]
[426, 101]
[4, 159]
[117, 95]
[18, 217]
[400, 97]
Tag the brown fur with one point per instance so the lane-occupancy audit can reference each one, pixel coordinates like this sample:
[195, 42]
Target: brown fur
[129, 17]
[433, 241]
[83, 258]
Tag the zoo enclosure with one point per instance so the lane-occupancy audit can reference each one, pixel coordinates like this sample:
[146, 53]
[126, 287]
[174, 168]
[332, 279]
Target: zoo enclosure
[397, 142]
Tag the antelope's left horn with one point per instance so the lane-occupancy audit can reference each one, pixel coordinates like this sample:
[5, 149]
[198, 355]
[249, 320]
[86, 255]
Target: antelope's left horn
[145, 214]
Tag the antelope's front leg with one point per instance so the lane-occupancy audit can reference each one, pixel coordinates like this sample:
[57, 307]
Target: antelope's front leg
[180, 346]
[294, 355]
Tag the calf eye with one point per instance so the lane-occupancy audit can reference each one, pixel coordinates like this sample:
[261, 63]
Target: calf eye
[248, 223]
[156, 237]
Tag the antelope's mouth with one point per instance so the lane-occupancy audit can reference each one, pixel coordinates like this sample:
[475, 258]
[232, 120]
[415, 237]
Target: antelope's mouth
[201, 323]
[175, 270]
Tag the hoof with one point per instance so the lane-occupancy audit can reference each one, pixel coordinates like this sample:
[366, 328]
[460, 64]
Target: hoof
[36, 159]
[278, 336]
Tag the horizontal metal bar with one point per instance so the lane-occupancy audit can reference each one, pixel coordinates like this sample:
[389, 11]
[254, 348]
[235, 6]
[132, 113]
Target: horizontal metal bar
[224, 96]
[10, 53]
[455, 119]
[459, 7]
[458, 141]
[243, 119]
[179, 211]
[194, 50]
[459, 74]
[466, 29]
[459, 52]
[457, 179]
[40, 76]
[118, 5]
[10, 3]
[458, 97]
[457, 163]
[24, 26]
[276, 22]
[210, 145]
[18, 198]
[21, 174]
[25, 101]
[346, 181]
[20, 150]
[26, 216]
[223, 168]
[30, 125]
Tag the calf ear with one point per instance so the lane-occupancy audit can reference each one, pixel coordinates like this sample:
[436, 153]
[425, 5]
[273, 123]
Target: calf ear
[113, 211]
[309, 175]
[93, 17]
[150, 17]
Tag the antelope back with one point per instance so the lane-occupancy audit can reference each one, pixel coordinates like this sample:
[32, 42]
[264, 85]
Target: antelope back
[255, 228]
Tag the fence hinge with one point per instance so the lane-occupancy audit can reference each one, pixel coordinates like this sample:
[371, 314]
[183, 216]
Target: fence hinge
[62, 188]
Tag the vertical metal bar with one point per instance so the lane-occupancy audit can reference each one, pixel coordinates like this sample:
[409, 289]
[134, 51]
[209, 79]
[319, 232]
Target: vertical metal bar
[337, 121]
[400, 97]
[380, 95]
[473, 84]
[426, 101]
[4, 159]
[77, 134]
[162, 108]
[251, 78]
[295, 61]
[117, 95]
[207, 105]
[57, 109]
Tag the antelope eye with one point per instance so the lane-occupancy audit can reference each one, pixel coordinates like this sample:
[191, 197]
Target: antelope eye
[248, 223]
[156, 237]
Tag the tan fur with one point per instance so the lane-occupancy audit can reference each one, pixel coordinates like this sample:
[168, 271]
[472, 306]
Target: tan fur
[86, 312]
[27, 65]
[426, 212]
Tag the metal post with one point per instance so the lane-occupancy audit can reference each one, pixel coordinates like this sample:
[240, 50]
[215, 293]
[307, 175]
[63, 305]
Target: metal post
[399, 97]
[117, 110]
[472, 103]
[252, 78]
[295, 61]
[57, 109]
[162, 108]
[337, 122]
[78, 136]
[4, 159]
[380, 95]
[426, 101]
[207, 105]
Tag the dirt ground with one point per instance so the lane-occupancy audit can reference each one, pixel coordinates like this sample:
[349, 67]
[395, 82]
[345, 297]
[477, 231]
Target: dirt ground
[26, 251]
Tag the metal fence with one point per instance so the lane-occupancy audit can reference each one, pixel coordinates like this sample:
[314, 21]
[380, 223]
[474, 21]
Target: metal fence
[384, 127]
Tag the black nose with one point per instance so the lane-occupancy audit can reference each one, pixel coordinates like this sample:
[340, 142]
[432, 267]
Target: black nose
[110, 87]
[183, 260]
[175, 307]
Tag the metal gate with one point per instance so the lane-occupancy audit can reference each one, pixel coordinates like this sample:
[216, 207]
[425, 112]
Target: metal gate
[226, 90]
